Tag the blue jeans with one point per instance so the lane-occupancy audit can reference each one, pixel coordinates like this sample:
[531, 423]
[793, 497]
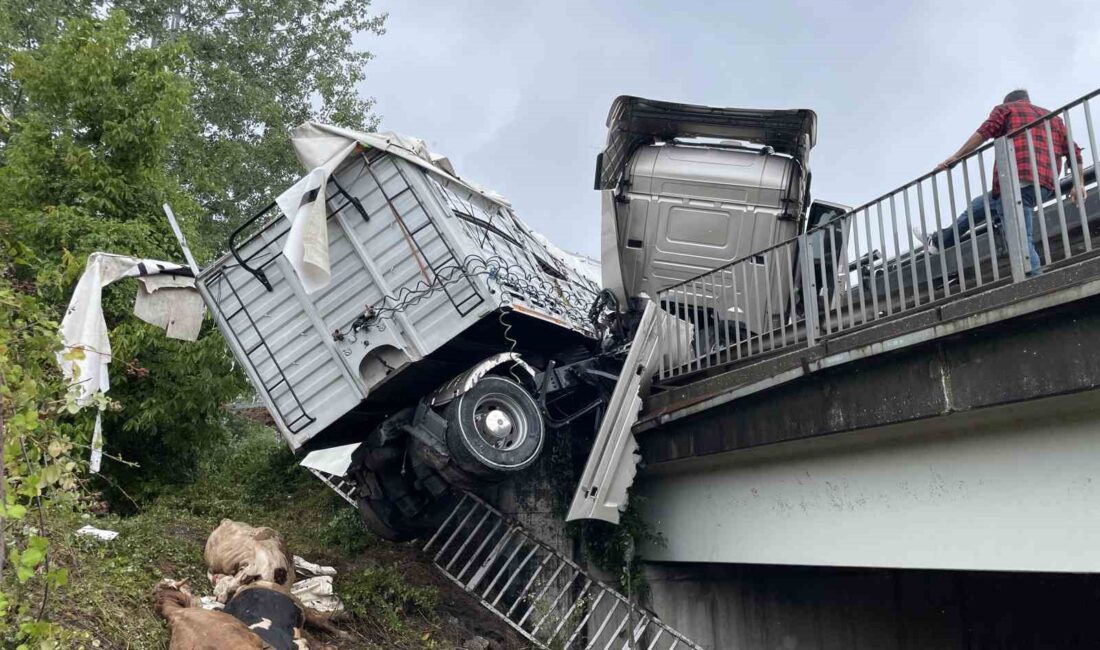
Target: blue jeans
[946, 237]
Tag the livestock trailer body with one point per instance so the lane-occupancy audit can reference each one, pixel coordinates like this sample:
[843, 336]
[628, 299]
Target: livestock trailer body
[429, 275]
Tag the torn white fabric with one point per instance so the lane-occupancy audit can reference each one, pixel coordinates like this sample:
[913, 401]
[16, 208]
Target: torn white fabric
[307, 569]
[314, 588]
[317, 593]
[96, 459]
[171, 303]
[84, 328]
[98, 533]
[319, 144]
[321, 148]
[333, 461]
[306, 205]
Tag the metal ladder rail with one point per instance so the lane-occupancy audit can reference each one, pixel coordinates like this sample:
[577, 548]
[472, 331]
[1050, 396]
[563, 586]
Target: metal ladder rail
[261, 344]
[448, 258]
[557, 612]
[338, 484]
[558, 602]
[437, 264]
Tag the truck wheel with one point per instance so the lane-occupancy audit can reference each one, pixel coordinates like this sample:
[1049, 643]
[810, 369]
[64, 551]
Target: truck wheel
[383, 517]
[495, 427]
[375, 514]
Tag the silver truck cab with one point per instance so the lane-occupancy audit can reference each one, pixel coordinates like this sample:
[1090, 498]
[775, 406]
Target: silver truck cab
[687, 189]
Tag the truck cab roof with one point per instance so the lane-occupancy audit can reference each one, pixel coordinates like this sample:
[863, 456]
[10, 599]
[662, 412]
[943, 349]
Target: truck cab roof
[633, 122]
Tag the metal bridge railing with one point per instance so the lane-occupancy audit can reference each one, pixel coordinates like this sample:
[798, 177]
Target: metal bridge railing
[877, 260]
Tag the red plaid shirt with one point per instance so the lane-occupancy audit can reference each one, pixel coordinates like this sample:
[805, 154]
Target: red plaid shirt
[1006, 118]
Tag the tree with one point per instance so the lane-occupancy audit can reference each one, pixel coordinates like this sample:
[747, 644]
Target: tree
[258, 68]
[86, 169]
[103, 120]
[104, 128]
[34, 456]
[25, 26]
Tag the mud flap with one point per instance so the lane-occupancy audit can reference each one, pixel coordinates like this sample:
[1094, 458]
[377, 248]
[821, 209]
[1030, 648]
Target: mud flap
[609, 472]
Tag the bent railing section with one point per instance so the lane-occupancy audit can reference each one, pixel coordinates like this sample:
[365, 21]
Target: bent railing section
[876, 261]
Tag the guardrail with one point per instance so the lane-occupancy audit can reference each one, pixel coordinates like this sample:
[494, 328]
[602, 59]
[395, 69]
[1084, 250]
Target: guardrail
[923, 243]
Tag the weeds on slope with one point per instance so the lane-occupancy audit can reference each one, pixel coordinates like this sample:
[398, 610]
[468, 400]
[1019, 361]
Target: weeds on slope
[393, 599]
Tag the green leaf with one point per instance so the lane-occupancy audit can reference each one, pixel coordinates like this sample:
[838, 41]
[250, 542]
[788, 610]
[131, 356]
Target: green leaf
[32, 557]
[50, 474]
[23, 573]
[57, 578]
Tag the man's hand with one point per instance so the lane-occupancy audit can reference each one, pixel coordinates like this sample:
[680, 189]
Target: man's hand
[1073, 193]
[972, 143]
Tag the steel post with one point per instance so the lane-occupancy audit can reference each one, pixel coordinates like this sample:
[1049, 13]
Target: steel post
[1012, 209]
[809, 296]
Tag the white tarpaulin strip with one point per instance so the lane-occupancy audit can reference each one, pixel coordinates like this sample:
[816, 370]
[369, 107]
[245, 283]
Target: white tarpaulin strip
[321, 148]
[96, 459]
[174, 305]
[306, 205]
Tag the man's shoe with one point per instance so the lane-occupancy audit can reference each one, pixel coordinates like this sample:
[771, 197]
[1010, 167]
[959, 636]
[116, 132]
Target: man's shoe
[929, 243]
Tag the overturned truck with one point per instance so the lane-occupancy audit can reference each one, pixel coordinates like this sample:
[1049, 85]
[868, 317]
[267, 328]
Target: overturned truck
[388, 308]
[426, 341]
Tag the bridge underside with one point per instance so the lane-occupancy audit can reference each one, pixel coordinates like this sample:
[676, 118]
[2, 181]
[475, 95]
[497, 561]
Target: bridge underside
[927, 482]
[1013, 488]
[973, 530]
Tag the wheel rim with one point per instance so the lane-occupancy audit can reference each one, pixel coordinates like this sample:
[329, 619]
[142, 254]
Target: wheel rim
[499, 421]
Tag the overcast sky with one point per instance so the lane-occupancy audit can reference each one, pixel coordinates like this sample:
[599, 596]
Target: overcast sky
[516, 93]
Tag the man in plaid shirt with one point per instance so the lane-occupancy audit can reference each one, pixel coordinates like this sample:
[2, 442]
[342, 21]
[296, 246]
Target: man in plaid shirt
[1016, 112]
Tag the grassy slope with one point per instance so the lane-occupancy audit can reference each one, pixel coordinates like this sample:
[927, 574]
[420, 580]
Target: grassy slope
[395, 597]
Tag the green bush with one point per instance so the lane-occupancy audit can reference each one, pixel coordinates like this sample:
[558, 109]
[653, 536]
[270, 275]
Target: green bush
[253, 464]
[346, 533]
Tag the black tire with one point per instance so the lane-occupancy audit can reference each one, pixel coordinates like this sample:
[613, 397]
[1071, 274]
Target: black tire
[390, 503]
[494, 428]
[385, 519]
[377, 516]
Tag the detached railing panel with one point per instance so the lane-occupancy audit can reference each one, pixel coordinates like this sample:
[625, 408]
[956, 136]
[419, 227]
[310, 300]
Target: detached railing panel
[539, 592]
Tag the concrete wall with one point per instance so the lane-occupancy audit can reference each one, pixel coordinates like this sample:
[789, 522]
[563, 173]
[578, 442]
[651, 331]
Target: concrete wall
[532, 499]
[730, 607]
[1009, 488]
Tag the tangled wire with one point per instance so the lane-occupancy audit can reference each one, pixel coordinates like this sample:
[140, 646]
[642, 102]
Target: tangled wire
[568, 298]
